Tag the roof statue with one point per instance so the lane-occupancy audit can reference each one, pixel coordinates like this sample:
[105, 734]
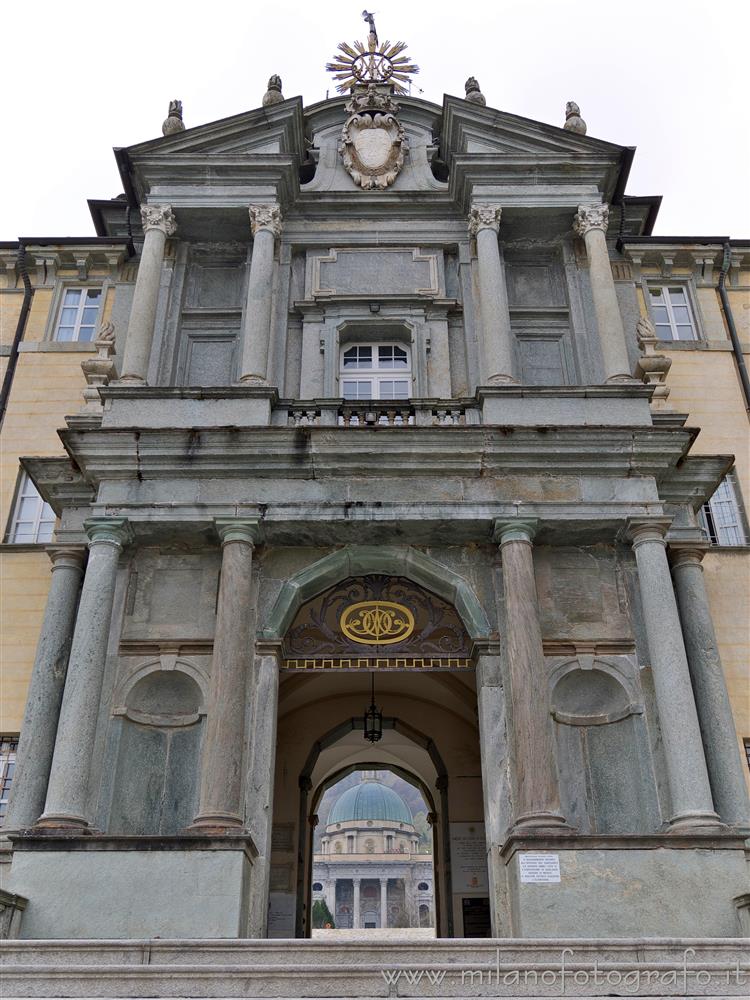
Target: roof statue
[373, 63]
[473, 93]
[573, 120]
[173, 122]
[273, 95]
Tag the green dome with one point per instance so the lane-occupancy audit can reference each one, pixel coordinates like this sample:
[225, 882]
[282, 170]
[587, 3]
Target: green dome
[370, 800]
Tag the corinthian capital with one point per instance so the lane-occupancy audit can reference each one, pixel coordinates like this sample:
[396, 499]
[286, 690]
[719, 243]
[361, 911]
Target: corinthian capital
[484, 217]
[591, 217]
[265, 217]
[158, 217]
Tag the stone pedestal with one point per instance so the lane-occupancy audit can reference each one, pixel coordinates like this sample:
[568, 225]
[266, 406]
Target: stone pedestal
[692, 804]
[158, 224]
[221, 764]
[725, 767]
[68, 786]
[265, 223]
[495, 335]
[591, 224]
[37, 742]
[536, 787]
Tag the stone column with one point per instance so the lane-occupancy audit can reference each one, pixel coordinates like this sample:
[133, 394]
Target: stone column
[265, 224]
[725, 767]
[259, 808]
[692, 805]
[355, 904]
[384, 902]
[221, 763]
[37, 742]
[330, 894]
[591, 224]
[537, 794]
[158, 224]
[68, 786]
[495, 335]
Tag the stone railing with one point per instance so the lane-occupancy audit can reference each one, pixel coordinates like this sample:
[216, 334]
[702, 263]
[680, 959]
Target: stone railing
[375, 413]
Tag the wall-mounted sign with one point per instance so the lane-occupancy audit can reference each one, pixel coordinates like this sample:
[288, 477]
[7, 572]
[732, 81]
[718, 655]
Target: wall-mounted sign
[539, 867]
[468, 857]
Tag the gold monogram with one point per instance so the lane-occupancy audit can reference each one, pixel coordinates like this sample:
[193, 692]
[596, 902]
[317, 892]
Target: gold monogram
[377, 623]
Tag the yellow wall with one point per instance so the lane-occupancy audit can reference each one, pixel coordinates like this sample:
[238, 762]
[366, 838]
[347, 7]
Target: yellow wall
[46, 388]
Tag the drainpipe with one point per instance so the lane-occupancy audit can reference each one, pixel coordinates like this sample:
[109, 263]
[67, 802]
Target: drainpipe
[736, 348]
[28, 292]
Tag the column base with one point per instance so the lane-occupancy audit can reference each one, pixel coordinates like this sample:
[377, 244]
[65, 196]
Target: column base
[541, 822]
[499, 379]
[252, 379]
[65, 822]
[129, 380]
[216, 823]
[695, 821]
[625, 379]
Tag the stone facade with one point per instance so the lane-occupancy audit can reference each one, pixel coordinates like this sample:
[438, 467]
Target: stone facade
[486, 442]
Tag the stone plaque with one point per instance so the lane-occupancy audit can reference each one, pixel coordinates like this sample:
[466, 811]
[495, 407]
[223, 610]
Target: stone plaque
[281, 912]
[378, 272]
[539, 867]
[468, 857]
[280, 878]
[282, 837]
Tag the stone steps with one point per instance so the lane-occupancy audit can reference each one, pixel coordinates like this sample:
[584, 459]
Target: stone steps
[715, 967]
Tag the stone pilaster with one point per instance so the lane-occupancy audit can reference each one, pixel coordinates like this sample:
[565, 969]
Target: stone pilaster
[68, 787]
[591, 224]
[725, 766]
[221, 764]
[356, 919]
[265, 224]
[692, 805]
[259, 807]
[535, 780]
[158, 224]
[496, 337]
[37, 742]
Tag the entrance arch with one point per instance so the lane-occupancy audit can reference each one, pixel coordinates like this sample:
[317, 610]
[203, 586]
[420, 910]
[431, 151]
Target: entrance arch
[439, 808]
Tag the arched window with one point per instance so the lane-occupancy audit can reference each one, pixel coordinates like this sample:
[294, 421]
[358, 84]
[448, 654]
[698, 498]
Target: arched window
[375, 371]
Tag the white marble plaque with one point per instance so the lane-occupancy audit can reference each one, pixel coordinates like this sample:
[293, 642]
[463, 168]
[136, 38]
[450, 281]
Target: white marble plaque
[539, 867]
[281, 914]
[468, 857]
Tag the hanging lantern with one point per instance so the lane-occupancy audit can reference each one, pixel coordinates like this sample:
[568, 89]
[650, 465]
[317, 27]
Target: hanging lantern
[373, 719]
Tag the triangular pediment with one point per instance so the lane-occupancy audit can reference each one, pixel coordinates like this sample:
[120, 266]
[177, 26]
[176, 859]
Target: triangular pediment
[472, 129]
[278, 129]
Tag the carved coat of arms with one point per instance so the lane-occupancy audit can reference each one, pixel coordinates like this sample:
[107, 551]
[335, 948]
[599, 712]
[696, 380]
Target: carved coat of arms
[373, 143]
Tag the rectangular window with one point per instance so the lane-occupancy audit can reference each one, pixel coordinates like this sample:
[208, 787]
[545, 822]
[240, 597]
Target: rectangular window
[723, 518]
[671, 313]
[356, 388]
[79, 313]
[8, 748]
[33, 519]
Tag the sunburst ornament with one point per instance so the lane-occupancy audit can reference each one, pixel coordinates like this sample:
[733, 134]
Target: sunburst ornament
[373, 63]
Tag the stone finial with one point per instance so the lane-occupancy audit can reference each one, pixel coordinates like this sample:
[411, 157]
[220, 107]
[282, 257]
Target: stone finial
[273, 95]
[100, 370]
[652, 368]
[573, 120]
[173, 122]
[473, 93]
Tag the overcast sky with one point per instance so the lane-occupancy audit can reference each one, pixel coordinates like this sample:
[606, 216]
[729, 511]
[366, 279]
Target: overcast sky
[667, 76]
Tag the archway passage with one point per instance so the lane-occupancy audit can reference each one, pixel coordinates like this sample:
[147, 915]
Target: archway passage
[418, 645]
[372, 856]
